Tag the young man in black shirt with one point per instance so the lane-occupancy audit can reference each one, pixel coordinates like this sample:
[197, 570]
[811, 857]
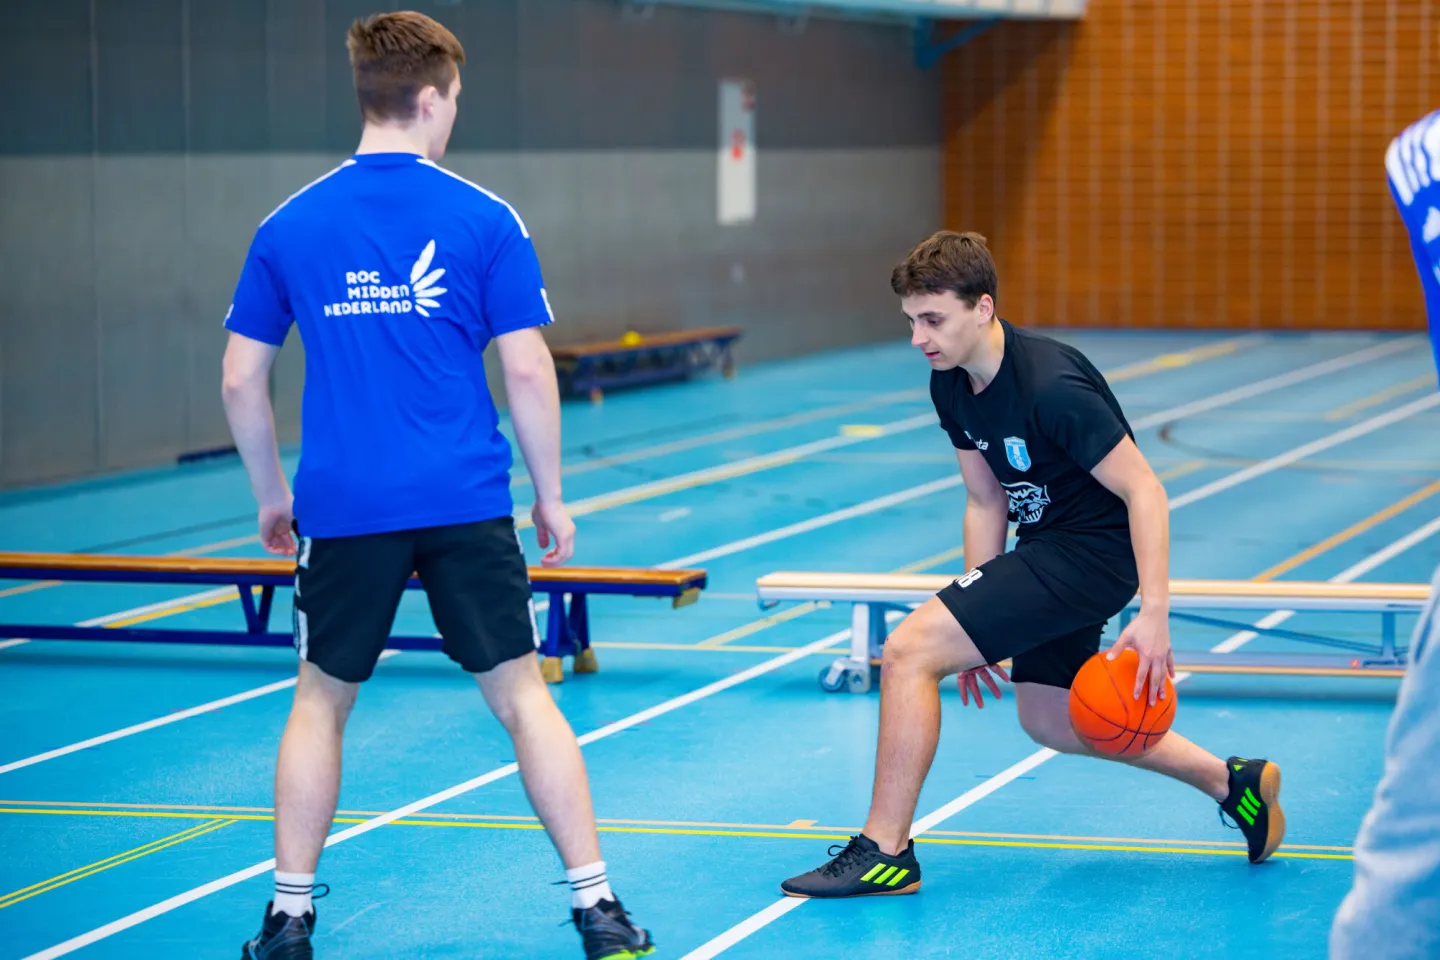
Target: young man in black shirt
[1041, 441]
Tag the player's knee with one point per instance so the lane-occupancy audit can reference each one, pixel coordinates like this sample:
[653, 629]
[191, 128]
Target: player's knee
[908, 650]
[1046, 729]
[514, 690]
[323, 697]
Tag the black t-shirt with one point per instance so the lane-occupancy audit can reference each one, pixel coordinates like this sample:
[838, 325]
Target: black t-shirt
[1042, 425]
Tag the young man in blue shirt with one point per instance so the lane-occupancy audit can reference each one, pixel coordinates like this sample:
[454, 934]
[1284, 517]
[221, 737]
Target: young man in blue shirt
[398, 274]
[1393, 908]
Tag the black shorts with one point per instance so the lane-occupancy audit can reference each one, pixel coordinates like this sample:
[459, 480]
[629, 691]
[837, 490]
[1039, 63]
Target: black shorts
[347, 590]
[1047, 623]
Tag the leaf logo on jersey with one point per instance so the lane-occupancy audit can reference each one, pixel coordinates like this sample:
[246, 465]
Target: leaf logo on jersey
[1027, 501]
[423, 283]
[1016, 453]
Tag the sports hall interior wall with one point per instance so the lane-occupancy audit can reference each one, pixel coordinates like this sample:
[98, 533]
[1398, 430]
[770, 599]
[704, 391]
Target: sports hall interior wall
[143, 141]
[1208, 163]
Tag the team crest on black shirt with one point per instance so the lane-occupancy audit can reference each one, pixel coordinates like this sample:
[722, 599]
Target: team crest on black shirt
[1016, 453]
[1027, 501]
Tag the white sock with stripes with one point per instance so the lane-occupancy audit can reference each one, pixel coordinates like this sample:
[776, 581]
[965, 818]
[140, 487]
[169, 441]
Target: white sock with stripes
[588, 885]
[292, 893]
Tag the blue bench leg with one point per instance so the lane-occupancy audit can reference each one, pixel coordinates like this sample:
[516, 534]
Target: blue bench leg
[585, 661]
[554, 647]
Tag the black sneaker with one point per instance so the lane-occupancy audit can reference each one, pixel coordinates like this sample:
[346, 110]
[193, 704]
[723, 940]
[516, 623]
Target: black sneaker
[282, 937]
[859, 870]
[1254, 805]
[609, 934]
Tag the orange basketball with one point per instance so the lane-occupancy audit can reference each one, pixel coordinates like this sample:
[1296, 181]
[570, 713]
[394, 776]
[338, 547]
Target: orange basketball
[1105, 713]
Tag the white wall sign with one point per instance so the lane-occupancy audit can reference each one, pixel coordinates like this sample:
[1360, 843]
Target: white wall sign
[736, 180]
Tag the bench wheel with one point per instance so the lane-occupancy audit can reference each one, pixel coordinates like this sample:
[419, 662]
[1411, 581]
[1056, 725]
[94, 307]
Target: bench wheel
[842, 675]
[552, 669]
[585, 661]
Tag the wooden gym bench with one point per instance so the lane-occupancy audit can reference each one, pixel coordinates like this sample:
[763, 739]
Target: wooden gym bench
[567, 633]
[635, 359]
[873, 595]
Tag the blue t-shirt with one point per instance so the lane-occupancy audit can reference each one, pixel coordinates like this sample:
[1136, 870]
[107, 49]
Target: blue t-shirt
[398, 274]
[1413, 165]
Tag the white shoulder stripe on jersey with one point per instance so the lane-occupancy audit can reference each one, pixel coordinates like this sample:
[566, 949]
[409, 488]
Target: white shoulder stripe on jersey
[347, 163]
[523, 231]
[1412, 160]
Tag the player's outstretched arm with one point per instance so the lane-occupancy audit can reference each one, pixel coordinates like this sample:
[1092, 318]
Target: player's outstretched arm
[1125, 472]
[245, 389]
[534, 399]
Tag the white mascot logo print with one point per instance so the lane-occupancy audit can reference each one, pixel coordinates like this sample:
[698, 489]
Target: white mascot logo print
[425, 293]
[1027, 501]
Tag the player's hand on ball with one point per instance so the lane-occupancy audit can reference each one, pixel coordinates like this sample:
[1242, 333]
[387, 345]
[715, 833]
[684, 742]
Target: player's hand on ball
[552, 522]
[969, 683]
[1149, 636]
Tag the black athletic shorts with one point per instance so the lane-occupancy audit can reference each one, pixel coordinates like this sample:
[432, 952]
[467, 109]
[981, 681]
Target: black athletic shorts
[347, 590]
[1042, 606]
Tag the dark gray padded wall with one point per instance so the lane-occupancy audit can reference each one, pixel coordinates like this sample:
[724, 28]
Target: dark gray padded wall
[168, 129]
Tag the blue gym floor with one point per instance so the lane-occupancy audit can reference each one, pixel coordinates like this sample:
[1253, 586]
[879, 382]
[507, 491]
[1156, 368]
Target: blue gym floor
[708, 804]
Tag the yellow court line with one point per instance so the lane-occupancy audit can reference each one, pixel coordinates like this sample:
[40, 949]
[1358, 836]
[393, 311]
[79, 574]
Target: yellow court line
[799, 610]
[99, 863]
[29, 588]
[181, 608]
[1172, 361]
[1127, 848]
[736, 433]
[1350, 532]
[682, 827]
[755, 626]
[102, 865]
[1375, 399]
[934, 560]
[205, 548]
[1180, 470]
[1133, 371]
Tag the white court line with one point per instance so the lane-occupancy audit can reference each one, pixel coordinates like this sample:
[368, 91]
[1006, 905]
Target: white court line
[169, 718]
[784, 905]
[736, 433]
[875, 504]
[1348, 575]
[165, 906]
[1278, 382]
[728, 471]
[1304, 450]
[149, 608]
[1191, 408]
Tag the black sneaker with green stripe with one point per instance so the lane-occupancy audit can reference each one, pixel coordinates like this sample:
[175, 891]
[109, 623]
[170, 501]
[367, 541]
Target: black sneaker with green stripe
[1254, 805]
[859, 869]
[608, 933]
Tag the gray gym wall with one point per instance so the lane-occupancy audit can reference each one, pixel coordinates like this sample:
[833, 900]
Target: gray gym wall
[143, 140]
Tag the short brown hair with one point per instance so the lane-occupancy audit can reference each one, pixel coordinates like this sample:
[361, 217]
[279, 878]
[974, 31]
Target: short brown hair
[958, 262]
[395, 56]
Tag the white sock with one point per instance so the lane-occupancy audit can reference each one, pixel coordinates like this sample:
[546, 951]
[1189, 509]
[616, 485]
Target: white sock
[588, 885]
[292, 893]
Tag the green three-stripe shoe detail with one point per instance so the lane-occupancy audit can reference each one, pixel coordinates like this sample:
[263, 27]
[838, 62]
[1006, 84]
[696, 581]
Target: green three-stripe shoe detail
[1254, 804]
[859, 869]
